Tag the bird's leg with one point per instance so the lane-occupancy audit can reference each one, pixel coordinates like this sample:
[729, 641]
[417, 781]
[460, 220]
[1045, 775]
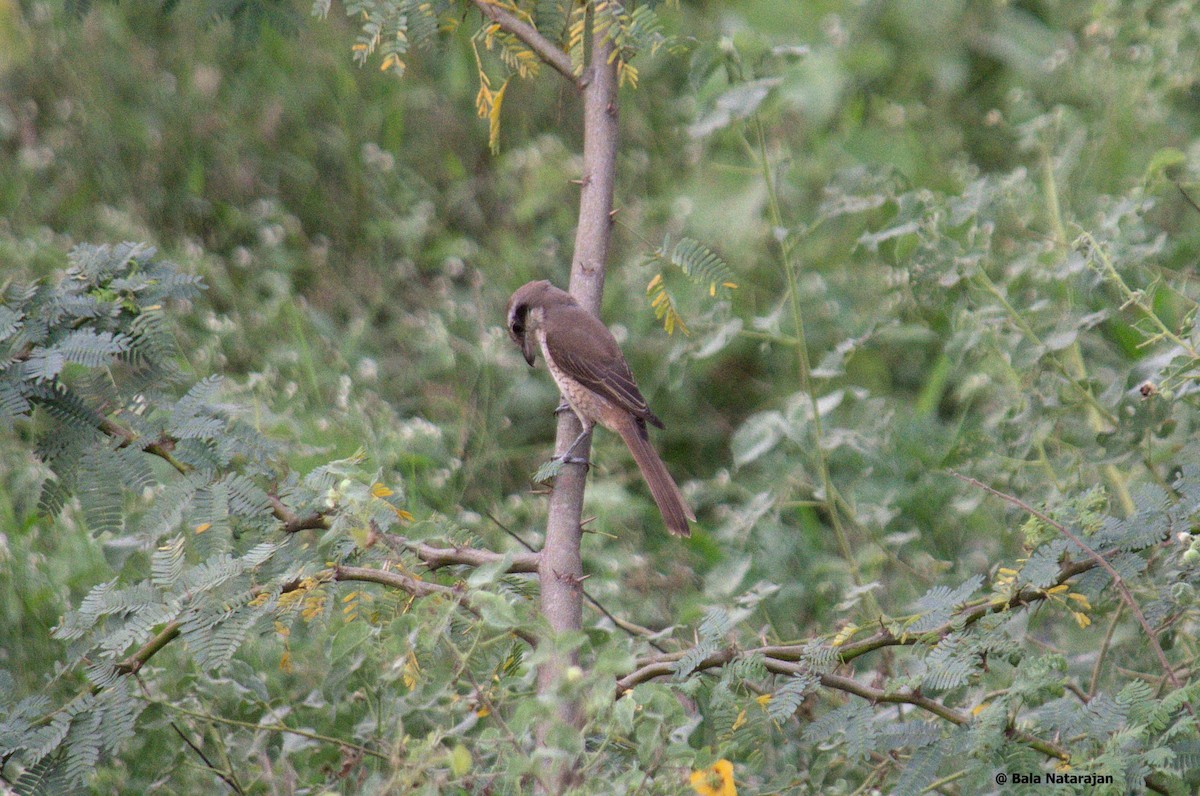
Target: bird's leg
[563, 406]
[566, 458]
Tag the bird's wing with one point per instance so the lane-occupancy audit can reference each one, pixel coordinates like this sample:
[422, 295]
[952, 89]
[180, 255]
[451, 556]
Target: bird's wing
[585, 350]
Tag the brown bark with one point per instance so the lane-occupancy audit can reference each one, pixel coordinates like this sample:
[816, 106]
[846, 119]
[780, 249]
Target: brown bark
[560, 570]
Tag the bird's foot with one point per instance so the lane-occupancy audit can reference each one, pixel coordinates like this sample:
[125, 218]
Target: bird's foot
[565, 459]
[563, 406]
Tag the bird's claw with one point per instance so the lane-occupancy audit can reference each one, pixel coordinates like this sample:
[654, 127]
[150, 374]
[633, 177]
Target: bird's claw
[574, 460]
[563, 406]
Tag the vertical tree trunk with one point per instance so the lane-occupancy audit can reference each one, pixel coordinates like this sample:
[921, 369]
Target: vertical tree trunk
[561, 569]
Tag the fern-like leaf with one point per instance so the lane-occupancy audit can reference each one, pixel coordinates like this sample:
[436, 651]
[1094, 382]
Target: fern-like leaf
[701, 265]
[788, 697]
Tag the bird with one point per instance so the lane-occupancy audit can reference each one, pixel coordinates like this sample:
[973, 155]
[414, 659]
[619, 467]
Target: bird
[595, 381]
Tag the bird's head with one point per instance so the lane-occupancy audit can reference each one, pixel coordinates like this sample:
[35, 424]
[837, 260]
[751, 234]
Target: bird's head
[526, 310]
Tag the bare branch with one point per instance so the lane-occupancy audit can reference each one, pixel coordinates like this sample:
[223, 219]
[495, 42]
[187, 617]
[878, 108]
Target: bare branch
[547, 50]
[438, 557]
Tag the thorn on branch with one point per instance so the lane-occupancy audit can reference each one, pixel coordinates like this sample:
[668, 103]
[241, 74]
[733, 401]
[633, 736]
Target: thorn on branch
[575, 581]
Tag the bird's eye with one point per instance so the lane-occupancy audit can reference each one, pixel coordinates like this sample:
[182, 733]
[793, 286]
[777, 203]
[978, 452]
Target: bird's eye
[516, 323]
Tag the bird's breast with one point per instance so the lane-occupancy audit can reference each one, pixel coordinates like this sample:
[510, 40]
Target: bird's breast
[582, 400]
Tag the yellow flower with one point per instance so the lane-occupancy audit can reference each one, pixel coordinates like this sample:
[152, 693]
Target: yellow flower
[717, 780]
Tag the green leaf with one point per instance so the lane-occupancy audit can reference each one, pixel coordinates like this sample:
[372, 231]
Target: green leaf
[460, 760]
[547, 471]
[348, 638]
[757, 435]
[494, 610]
[488, 573]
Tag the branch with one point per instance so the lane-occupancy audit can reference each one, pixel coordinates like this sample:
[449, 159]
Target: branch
[135, 661]
[294, 523]
[1118, 581]
[414, 586]
[650, 667]
[163, 447]
[547, 50]
[418, 588]
[784, 659]
[257, 727]
[560, 571]
[876, 695]
[631, 628]
[438, 557]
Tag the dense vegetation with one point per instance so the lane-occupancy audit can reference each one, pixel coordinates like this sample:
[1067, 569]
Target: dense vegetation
[935, 416]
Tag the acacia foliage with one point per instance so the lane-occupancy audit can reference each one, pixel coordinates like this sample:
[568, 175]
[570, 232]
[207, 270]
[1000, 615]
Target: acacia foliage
[90, 368]
[1011, 309]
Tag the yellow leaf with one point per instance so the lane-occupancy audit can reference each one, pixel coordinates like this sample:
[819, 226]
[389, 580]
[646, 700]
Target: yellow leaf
[285, 662]
[982, 706]
[730, 285]
[202, 527]
[739, 721]
[1056, 589]
[627, 73]
[314, 606]
[1081, 619]
[380, 490]
[1083, 601]
[483, 711]
[763, 700]
[412, 671]
[654, 283]
[494, 119]
[844, 635]
[716, 780]
[1007, 571]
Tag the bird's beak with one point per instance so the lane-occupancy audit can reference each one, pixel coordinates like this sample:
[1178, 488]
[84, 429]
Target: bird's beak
[528, 348]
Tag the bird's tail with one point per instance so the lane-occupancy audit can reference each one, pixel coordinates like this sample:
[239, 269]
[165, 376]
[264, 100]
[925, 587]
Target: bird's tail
[671, 505]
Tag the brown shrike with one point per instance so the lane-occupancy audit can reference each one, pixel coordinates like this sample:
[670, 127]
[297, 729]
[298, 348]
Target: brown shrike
[594, 379]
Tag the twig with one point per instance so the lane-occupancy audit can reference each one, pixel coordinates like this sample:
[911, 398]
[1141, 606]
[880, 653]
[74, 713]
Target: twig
[876, 695]
[1100, 560]
[282, 728]
[1108, 635]
[631, 628]
[163, 447]
[438, 557]
[417, 588]
[229, 779]
[294, 523]
[547, 50]
[1187, 196]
